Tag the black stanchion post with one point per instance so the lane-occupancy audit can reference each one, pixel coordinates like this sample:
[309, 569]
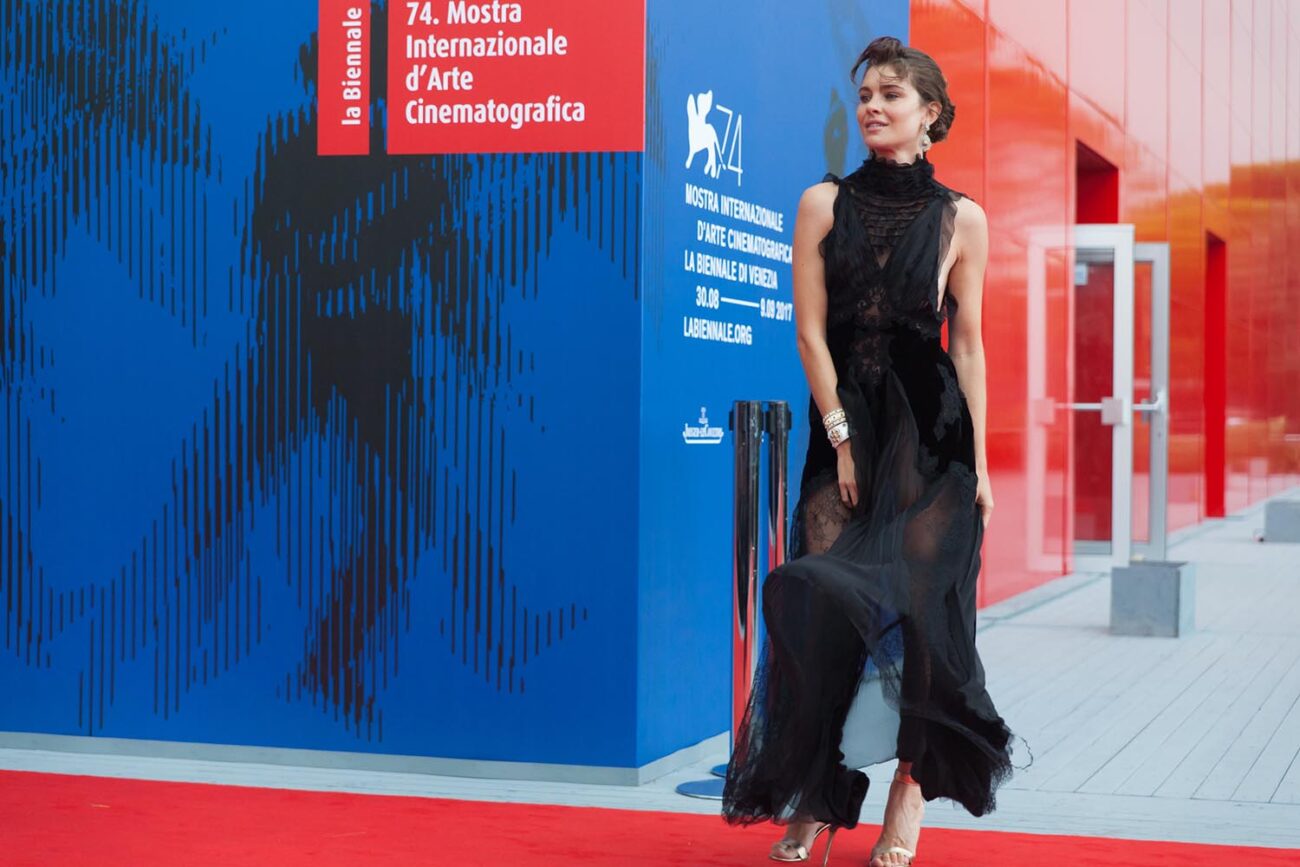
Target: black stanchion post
[748, 418]
[748, 421]
[777, 423]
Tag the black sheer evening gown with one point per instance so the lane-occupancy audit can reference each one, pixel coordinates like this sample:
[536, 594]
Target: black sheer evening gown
[870, 647]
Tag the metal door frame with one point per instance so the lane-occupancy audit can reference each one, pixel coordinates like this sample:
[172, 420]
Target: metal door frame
[1116, 408]
[1040, 556]
[1156, 253]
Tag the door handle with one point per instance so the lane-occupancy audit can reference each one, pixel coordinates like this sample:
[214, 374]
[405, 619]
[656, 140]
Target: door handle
[1111, 409]
[1157, 405]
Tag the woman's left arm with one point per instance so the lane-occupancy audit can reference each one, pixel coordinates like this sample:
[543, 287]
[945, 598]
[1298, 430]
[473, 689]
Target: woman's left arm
[965, 329]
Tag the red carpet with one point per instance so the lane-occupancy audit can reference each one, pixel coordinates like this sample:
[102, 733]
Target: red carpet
[50, 819]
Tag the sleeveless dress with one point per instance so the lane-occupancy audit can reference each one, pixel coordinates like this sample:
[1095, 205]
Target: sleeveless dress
[870, 652]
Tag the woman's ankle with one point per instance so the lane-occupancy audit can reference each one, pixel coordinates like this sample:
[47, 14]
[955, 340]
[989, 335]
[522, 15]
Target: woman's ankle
[903, 773]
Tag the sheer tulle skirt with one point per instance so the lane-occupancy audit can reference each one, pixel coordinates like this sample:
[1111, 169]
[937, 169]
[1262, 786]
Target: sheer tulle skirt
[870, 646]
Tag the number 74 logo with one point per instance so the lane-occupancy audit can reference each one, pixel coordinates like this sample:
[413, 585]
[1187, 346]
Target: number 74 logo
[724, 154]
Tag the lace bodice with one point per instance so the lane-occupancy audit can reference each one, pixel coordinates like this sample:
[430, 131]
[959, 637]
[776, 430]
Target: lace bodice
[893, 224]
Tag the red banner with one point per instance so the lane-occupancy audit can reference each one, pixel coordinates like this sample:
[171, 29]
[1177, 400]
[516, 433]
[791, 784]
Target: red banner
[343, 77]
[523, 77]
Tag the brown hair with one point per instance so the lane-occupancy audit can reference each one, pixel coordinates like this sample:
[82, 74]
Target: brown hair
[915, 66]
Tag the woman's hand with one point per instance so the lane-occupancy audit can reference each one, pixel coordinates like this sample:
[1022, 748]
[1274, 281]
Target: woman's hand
[848, 479]
[984, 497]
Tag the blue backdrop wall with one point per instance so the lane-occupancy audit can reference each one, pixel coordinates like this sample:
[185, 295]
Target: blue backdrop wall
[387, 454]
[716, 323]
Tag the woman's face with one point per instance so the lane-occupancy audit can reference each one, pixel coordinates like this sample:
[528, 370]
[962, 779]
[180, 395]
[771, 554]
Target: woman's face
[890, 114]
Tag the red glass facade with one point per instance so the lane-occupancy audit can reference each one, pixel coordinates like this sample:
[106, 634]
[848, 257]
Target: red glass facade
[1181, 117]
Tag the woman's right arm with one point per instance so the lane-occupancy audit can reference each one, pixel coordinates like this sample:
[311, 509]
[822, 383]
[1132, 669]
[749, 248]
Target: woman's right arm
[812, 222]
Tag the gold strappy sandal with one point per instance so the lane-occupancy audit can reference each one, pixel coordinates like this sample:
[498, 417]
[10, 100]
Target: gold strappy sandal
[798, 850]
[900, 850]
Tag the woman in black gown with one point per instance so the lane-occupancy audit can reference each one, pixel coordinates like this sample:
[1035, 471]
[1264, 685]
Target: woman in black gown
[870, 648]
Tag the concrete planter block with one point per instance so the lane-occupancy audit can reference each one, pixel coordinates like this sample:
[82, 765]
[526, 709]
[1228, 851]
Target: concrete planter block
[1153, 597]
[1282, 521]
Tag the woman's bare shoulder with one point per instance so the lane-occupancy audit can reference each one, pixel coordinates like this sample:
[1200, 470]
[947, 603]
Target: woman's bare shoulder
[969, 211]
[970, 224]
[817, 203]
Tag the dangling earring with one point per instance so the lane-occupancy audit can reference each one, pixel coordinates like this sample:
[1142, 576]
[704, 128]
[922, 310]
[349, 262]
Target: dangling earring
[925, 139]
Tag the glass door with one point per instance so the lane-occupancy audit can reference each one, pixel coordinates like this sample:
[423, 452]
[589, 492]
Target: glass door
[1102, 383]
[1151, 395]
[1120, 350]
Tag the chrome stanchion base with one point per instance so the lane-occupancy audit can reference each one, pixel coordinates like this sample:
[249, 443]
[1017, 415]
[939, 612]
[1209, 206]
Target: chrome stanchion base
[707, 789]
[711, 789]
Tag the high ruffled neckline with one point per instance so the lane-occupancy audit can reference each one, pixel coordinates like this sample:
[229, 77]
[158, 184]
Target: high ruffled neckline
[889, 178]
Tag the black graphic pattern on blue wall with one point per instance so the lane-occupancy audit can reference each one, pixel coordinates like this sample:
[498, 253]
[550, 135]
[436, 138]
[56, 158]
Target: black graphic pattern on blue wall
[360, 426]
